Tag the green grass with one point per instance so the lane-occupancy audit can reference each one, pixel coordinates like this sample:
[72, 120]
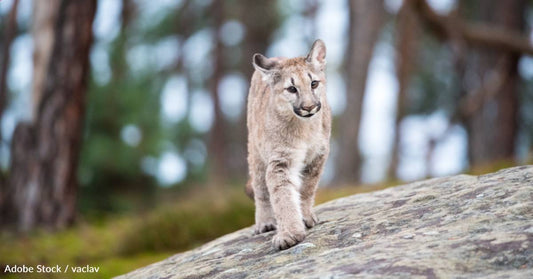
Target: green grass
[199, 219]
[122, 244]
[85, 244]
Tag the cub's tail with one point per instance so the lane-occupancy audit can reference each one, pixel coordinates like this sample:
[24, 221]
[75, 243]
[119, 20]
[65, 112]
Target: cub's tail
[249, 190]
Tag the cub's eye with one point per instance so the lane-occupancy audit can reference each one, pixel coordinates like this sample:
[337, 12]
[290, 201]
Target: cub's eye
[292, 89]
[314, 84]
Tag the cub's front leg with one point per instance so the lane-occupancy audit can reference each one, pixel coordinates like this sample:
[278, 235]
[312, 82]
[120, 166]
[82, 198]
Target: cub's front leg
[285, 201]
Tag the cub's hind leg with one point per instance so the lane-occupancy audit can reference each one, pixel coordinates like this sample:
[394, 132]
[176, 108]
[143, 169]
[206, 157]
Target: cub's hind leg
[264, 215]
[311, 177]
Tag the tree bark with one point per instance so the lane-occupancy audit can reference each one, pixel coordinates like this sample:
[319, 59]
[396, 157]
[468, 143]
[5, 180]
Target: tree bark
[366, 21]
[43, 183]
[43, 32]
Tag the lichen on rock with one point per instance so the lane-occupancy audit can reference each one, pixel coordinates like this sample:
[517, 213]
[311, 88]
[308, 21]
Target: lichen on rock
[451, 227]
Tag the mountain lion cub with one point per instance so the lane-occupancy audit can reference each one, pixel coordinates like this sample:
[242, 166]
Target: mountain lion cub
[289, 124]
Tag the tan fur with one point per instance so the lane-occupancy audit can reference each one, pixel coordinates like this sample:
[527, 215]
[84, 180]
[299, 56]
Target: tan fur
[287, 152]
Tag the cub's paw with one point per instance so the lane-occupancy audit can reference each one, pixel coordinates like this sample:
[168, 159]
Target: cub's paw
[310, 220]
[264, 227]
[285, 240]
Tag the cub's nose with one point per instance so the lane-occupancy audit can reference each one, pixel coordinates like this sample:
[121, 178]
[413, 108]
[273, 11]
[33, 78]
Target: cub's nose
[313, 108]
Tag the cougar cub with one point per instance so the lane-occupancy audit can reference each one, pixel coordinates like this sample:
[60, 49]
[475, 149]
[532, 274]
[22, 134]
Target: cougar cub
[289, 124]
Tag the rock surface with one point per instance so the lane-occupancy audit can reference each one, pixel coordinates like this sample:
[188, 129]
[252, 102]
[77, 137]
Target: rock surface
[453, 227]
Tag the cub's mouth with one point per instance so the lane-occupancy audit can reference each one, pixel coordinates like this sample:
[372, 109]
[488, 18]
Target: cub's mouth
[307, 113]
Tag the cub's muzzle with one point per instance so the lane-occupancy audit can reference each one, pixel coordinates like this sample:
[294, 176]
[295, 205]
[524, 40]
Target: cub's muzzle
[307, 111]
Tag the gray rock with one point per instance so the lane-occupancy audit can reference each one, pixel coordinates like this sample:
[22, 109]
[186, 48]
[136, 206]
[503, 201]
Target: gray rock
[301, 248]
[458, 227]
[408, 236]
[357, 235]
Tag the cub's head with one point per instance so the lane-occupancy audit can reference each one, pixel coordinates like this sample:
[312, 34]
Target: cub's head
[298, 84]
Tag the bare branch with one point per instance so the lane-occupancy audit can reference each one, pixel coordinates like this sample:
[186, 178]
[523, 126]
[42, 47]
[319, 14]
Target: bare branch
[452, 28]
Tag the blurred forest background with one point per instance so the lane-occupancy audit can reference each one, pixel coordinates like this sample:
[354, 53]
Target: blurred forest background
[126, 118]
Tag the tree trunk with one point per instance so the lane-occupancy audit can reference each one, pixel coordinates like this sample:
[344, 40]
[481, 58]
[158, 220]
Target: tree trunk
[407, 34]
[489, 101]
[9, 34]
[492, 123]
[310, 15]
[261, 20]
[43, 32]
[43, 182]
[217, 143]
[366, 20]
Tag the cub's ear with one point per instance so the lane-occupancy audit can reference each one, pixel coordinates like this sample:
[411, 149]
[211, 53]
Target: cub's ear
[317, 55]
[266, 66]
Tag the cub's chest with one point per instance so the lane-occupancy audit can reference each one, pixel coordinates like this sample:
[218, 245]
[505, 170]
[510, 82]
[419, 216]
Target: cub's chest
[312, 149]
